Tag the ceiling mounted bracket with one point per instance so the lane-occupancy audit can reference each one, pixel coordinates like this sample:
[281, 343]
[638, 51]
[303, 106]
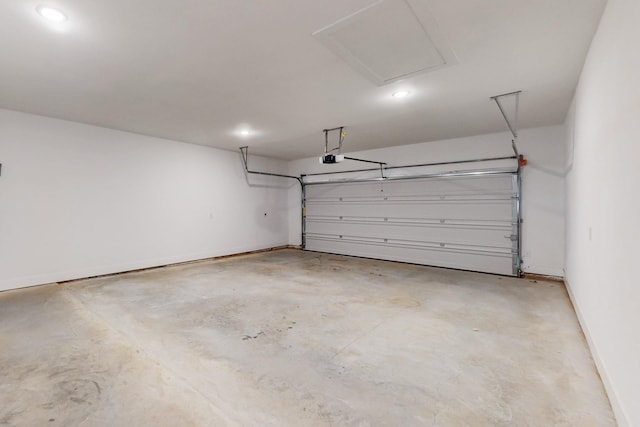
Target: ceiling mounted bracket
[512, 124]
[330, 158]
[341, 136]
[245, 159]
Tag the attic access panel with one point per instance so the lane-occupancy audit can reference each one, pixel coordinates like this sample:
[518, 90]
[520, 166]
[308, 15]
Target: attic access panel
[388, 41]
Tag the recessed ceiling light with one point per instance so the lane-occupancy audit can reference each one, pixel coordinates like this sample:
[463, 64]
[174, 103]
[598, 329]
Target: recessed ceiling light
[400, 94]
[244, 132]
[51, 14]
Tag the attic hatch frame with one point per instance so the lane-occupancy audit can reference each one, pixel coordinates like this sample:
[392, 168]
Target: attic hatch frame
[513, 127]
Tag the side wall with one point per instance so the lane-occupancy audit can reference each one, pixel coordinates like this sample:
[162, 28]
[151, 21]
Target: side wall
[79, 200]
[543, 184]
[603, 209]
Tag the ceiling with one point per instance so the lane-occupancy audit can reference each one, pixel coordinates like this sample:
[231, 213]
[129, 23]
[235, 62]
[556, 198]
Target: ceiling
[201, 71]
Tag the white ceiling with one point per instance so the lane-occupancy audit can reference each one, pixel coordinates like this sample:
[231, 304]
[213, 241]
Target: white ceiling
[201, 70]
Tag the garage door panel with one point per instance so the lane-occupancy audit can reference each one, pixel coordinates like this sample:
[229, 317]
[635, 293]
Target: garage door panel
[500, 263]
[433, 187]
[459, 222]
[486, 234]
[486, 210]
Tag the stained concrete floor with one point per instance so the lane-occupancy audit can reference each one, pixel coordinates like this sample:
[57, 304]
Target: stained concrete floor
[292, 338]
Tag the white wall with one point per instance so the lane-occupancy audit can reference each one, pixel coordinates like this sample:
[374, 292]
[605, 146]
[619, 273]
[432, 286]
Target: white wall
[79, 200]
[603, 208]
[543, 184]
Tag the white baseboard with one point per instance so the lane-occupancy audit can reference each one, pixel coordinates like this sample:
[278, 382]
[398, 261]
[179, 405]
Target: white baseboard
[621, 416]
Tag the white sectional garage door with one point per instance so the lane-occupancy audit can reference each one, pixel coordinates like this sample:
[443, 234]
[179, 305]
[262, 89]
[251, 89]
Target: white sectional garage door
[463, 222]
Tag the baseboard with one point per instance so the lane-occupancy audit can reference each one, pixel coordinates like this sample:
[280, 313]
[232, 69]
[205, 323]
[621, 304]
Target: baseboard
[174, 264]
[618, 411]
[544, 277]
[124, 270]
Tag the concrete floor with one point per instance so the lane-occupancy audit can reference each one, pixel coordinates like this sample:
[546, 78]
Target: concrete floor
[292, 338]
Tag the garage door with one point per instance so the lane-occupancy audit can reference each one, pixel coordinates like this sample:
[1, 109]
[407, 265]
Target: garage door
[465, 222]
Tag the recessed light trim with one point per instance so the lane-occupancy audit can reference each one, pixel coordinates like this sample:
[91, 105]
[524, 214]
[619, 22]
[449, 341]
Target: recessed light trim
[51, 14]
[244, 132]
[400, 94]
